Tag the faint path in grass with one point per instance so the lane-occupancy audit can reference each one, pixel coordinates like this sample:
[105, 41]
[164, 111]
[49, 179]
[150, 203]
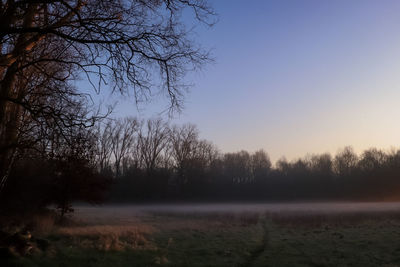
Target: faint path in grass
[259, 250]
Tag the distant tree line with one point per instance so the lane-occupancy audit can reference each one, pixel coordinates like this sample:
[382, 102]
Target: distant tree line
[125, 160]
[152, 160]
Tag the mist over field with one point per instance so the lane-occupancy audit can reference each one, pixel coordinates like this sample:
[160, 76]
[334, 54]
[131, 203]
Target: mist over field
[307, 208]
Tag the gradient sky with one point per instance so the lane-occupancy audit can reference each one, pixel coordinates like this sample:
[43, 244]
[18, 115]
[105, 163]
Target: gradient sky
[296, 77]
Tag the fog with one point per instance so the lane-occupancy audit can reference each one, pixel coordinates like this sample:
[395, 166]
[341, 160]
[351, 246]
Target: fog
[129, 212]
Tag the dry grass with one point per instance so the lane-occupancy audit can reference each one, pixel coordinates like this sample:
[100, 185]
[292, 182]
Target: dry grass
[313, 234]
[94, 230]
[43, 223]
[130, 228]
[208, 216]
[120, 229]
[109, 237]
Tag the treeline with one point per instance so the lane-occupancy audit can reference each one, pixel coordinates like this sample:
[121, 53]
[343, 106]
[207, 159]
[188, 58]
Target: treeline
[152, 160]
[127, 160]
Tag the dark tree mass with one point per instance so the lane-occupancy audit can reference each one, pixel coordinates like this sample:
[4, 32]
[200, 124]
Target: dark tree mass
[131, 160]
[131, 47]
[164, 162]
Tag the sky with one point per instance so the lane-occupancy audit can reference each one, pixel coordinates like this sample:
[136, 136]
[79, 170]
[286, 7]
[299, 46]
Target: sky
[295, 77]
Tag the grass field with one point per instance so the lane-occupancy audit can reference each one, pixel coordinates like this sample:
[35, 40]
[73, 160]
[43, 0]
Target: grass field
[225, 235]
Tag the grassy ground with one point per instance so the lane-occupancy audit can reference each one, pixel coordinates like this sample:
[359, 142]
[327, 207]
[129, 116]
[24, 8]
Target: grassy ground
[172, 238]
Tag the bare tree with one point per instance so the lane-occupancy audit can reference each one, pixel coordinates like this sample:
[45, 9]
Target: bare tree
[238, 166]
[183, 147]
[321, 164]
[151, 142]
[122, 138]
[120, 40]
[372, 159]
[260, 165]
[206, 152]
[345, 161]
[137, 45]
[283, 166]
[104, 145]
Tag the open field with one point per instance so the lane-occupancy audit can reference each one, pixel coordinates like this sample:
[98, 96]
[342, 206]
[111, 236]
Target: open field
[322, 234]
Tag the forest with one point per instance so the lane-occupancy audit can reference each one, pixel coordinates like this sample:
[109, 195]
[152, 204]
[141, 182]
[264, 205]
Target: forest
[133, 160]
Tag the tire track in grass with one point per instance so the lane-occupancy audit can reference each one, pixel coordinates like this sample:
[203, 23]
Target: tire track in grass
[256, 253]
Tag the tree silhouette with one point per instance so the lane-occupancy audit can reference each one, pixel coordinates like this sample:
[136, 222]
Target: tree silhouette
[136, 46]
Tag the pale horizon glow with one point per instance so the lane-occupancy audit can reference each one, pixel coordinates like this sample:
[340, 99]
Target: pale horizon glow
[296, 78]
